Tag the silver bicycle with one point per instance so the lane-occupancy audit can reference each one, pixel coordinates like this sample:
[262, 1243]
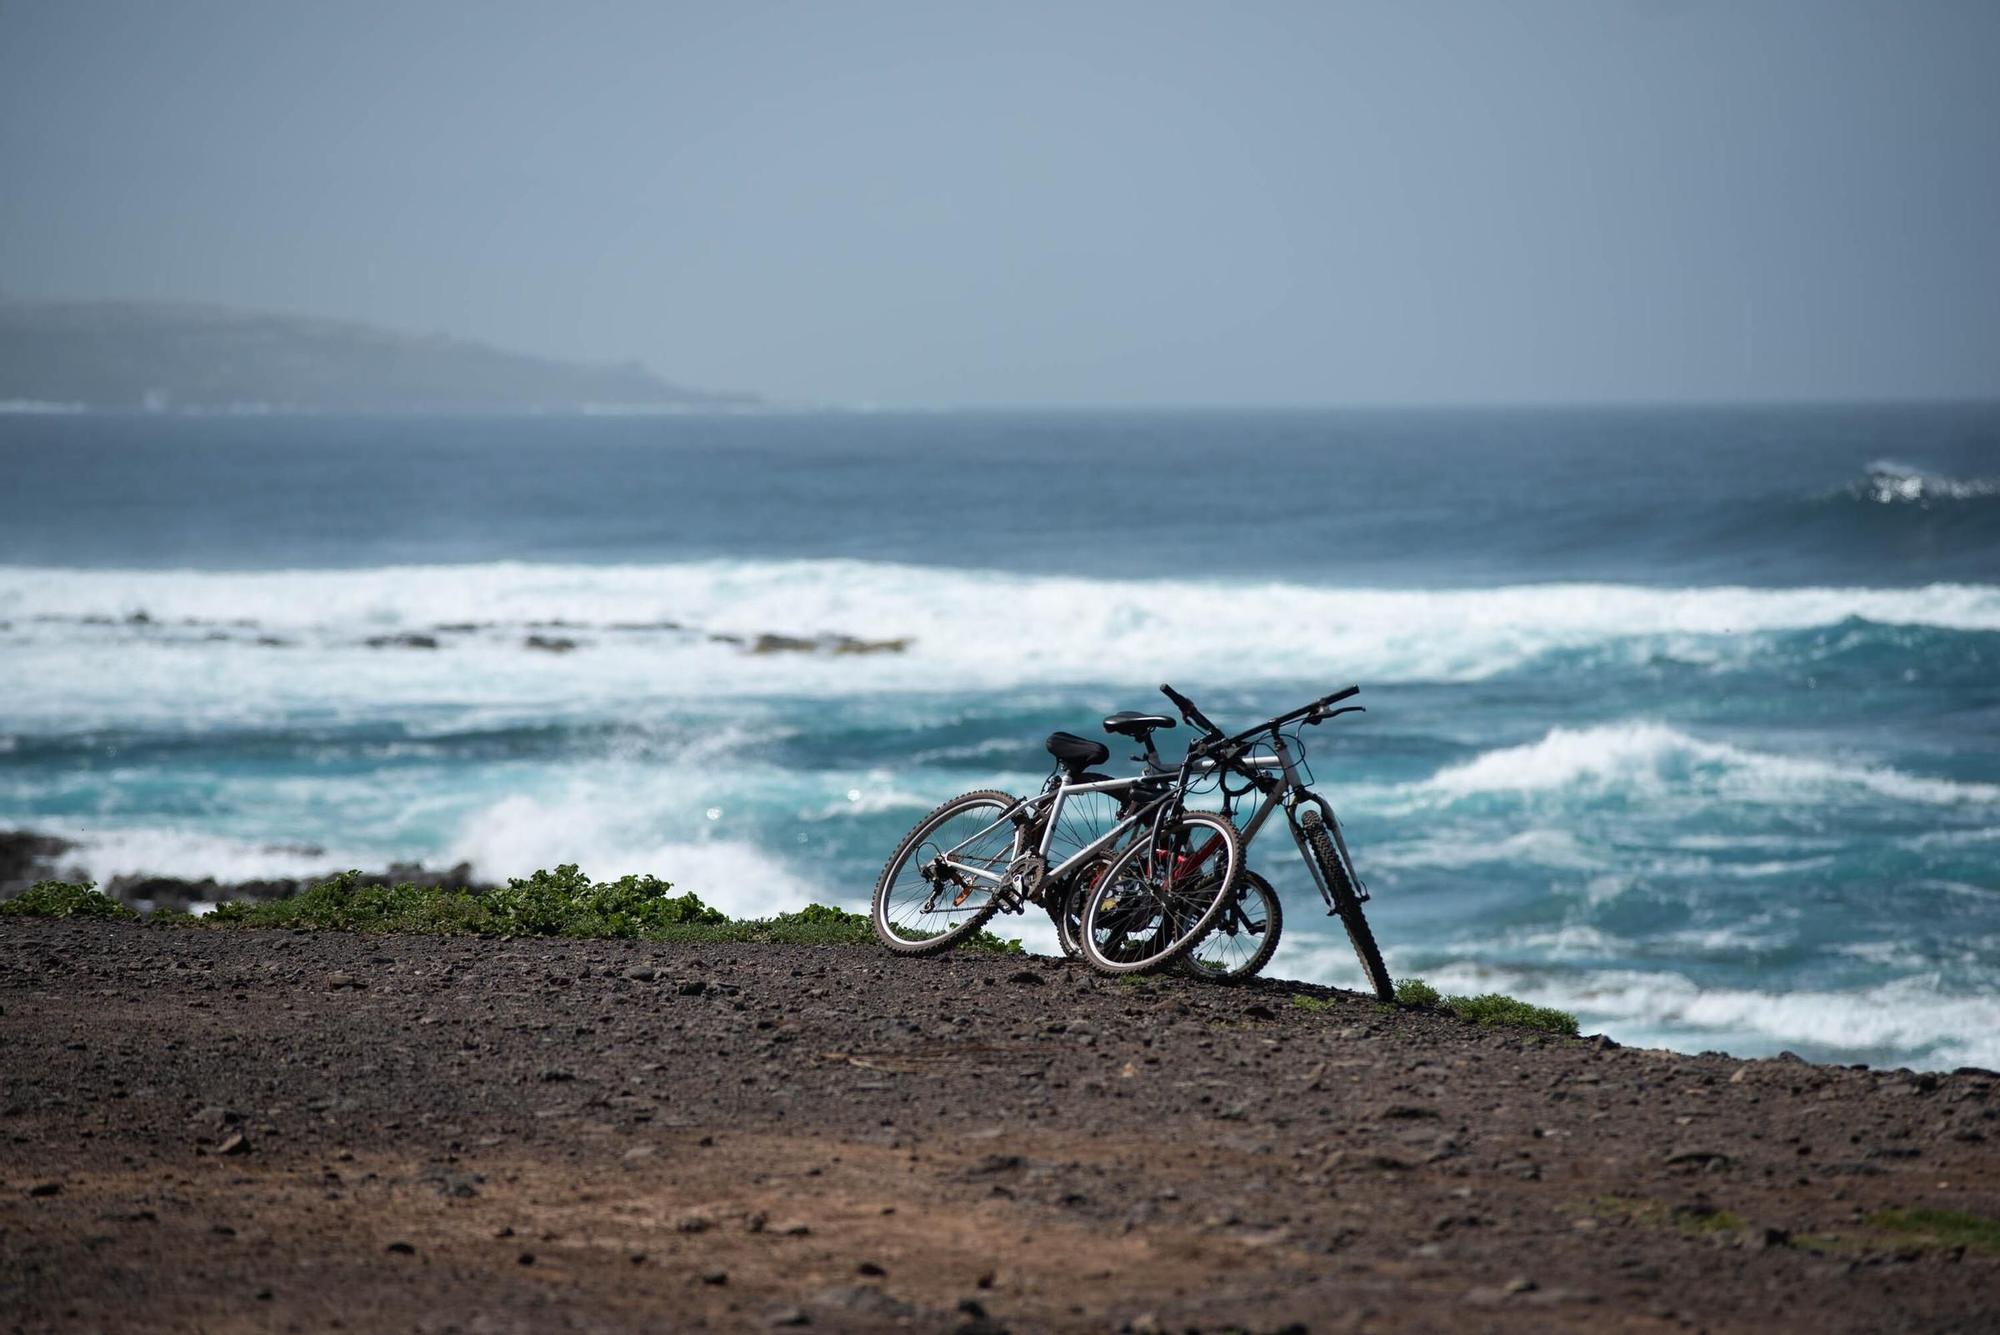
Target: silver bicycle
[988, 852]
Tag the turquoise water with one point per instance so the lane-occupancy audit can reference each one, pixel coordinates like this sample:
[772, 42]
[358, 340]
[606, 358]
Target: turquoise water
[1686, 720]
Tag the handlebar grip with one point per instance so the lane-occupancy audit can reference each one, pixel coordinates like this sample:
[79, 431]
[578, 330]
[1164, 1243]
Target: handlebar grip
[1339, 695]
[1193, 716]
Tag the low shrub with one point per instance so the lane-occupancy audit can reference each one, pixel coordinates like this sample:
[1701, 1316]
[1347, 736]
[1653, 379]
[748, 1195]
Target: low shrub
[64, 899]
[1417, 992]
[1493, 1008]
[1941, 1228]
[563, 902]
[1488, 1008]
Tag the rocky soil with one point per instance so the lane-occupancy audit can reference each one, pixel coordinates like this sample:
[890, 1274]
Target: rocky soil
[238, 1130]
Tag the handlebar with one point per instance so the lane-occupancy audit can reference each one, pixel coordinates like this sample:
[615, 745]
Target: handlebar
[1312, 713]
[1191, 716]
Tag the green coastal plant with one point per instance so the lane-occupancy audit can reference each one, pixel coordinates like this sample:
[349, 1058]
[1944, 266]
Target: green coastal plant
[1941, 1228]
[1490, 1008]
[64, 899]
[563, 902]
[1417, 992]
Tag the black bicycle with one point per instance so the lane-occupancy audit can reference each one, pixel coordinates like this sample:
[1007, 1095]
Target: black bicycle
[1266, 759]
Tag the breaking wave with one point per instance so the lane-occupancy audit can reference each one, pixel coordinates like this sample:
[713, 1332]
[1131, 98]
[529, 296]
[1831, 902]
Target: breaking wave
[1891, 483]
[684, 627]
[1650, 757]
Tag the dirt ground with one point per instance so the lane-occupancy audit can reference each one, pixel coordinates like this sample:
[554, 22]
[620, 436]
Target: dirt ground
[236, 1130]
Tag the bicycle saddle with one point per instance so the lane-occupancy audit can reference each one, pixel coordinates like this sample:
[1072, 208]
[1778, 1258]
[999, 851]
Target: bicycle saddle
[1132, 723]
[1077, 754]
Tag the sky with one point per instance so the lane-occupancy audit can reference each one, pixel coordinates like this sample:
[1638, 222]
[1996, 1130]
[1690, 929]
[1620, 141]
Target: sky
[1020, 203]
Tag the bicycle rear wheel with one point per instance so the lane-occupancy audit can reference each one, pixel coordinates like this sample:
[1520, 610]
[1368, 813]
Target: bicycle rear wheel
[1347, 904]
[938, 887]
[1244, 938]
[1161, 894]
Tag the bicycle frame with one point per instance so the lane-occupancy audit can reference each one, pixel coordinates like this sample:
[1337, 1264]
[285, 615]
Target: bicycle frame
[1047, 806]
[1289, 793]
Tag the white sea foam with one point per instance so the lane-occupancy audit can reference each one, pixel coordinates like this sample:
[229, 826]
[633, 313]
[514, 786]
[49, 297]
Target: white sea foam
[195, 855]
[1537, 847]
[967, 629]
[518, 835]
[1907, 1015]
[1651, 758]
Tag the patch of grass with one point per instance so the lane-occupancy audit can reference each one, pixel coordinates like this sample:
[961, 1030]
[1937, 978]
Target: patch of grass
[1316, 1005]
[1941, 1228]
[563, 902]
[343, 904]
[1493, 1008]
[1701, 1222]
[1490, 1008]
[1417, 992]
[64, 899]
[1694, 1220]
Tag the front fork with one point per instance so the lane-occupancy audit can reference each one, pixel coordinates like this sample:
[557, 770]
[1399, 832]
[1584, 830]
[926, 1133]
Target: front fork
[1324, 810]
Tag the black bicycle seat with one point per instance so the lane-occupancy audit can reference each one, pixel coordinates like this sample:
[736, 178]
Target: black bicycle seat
[1132, 723]
[1075, 753]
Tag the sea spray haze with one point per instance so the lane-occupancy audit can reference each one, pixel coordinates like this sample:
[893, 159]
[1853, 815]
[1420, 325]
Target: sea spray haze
[1685, 720]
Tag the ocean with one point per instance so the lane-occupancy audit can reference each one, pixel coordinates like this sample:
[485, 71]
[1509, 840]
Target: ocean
[1687, 720]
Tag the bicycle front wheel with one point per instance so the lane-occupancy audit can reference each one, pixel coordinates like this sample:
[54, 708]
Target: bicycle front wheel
[1160, 895]
[938, 887]
[1347, 904]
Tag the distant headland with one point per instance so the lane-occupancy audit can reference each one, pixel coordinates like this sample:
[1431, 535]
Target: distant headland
[172, 357]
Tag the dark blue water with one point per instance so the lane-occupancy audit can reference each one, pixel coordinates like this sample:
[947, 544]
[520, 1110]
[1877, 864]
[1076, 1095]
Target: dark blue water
[1395, 499]
[1686, 719]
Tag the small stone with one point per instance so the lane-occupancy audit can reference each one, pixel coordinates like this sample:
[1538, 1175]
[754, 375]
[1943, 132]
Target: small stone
[716, 1277]
[46, 1189]
[336, 981]
[526, 1258]
[796, 1230]
[691, 987]
[638, 1154]
[234, 1143]
[870, 1268]
[790, 1316]
[1027, 978]
[401, 1249]
[642, 973]
[695, 1222]
[1519, 1284]
[554, 1076]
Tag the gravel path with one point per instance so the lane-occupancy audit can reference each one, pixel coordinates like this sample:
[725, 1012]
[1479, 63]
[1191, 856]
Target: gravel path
[235, 1130]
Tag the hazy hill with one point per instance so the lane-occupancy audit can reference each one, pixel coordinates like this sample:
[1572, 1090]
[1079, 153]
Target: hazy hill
[130, 354]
